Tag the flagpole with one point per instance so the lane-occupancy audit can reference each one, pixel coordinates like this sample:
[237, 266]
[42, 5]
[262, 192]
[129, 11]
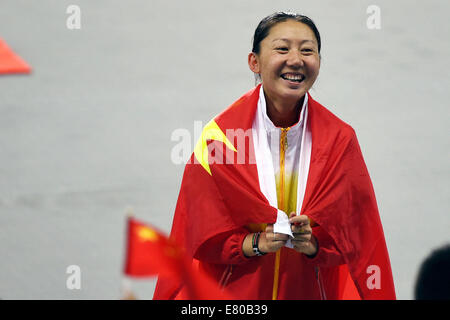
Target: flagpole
[126, 292]
[129, 212]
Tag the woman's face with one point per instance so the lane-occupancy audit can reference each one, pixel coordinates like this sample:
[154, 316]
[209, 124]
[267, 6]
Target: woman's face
[288, 61]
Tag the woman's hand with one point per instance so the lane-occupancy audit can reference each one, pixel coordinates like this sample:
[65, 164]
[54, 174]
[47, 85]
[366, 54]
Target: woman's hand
[304, 241]
[270, 241]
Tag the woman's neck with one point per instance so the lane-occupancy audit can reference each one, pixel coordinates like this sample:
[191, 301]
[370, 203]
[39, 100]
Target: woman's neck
[284, 114]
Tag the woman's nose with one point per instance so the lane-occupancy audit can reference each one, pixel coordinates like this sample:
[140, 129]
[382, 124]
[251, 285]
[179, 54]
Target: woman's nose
[295, 59]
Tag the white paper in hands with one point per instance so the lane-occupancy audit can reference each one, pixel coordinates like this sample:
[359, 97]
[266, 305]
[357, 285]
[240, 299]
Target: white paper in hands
[282, 225]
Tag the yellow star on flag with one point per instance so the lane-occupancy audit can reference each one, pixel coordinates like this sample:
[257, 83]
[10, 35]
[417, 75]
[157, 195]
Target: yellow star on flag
[210, 132]
[147, 234]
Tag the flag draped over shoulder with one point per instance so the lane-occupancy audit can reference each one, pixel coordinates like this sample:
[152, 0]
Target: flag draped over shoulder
[220, 192]
[340, 197]
[11, 62]
[149, 253]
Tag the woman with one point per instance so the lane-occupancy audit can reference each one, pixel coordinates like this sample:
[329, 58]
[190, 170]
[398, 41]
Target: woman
[296, 216]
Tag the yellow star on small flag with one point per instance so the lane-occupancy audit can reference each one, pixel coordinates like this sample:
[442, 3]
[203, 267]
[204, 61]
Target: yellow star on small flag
[147, 234]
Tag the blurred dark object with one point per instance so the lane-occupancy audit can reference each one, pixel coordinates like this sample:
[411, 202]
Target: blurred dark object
[433, 281]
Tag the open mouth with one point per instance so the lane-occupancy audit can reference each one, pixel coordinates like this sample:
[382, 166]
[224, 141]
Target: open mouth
[294, 77]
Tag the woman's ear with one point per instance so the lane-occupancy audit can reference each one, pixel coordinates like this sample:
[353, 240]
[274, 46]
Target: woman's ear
[253, 62]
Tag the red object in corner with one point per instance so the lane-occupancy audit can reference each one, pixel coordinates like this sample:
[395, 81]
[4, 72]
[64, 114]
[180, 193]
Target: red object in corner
[11, 62]
[149, 253]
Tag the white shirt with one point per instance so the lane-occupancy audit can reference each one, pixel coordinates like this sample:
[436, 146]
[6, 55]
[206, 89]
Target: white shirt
[266, 137]
[292, 152]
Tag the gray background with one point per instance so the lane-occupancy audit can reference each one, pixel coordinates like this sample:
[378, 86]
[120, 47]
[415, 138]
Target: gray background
[88, 133]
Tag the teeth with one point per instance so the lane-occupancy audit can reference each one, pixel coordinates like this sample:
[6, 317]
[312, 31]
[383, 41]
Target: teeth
[293, 77]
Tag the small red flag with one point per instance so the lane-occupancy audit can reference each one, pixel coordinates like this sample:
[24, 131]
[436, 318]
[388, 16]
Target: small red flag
[150, 253]
[11, 62]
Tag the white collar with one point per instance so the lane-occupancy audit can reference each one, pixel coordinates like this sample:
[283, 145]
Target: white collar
[268, 124]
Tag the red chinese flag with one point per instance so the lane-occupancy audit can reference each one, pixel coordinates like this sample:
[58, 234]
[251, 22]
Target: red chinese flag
[11, 62]
[219, 197]
[151, 253]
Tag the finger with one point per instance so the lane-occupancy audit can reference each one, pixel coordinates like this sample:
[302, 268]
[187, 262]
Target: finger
[298, 243]
[302, 237]
[301, 229]
[275, 237]
[303, 247]
[269, 236]
[299, 220]
[292, 217]
[269, 228]
[280, 237]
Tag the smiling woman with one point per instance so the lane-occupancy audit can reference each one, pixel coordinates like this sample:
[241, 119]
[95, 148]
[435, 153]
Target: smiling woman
[287, 59]
[298, 218]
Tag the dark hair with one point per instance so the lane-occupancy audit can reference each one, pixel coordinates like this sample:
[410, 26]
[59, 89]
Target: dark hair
[263, 28]
[433, 281]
